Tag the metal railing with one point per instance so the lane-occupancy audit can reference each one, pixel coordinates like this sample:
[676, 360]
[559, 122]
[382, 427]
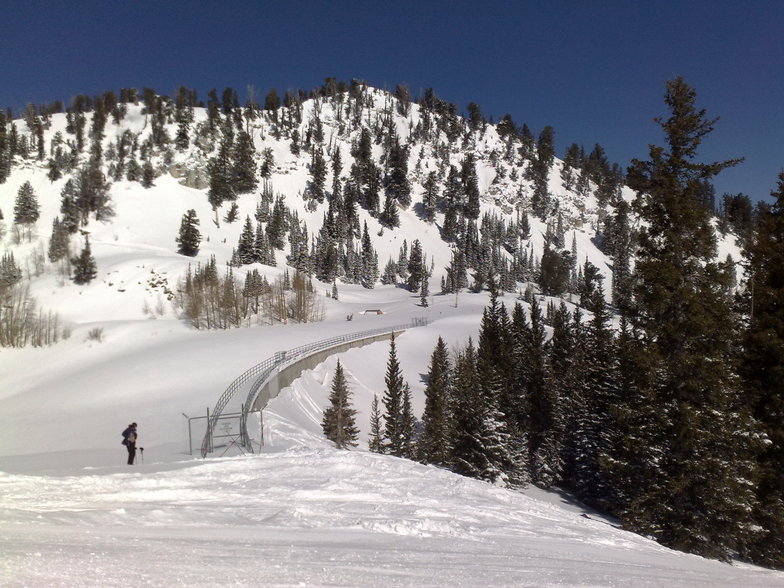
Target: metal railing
[260, 373]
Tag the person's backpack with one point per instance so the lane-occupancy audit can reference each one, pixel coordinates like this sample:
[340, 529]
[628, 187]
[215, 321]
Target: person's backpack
[128, 436]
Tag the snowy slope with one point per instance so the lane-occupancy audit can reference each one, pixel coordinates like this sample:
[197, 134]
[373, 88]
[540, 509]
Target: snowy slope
[300, 513]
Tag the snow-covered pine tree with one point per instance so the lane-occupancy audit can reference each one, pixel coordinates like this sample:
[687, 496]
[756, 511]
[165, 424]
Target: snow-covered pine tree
[369, 261]
[318, 175]
[470, 187]
[430, 197]
[433, 442]
[26, 208]
[376, 441]
[264, 252]
[535, 406]
[84, 266]
[415, 266]
[339, 422]
[246, 248]
[398, 186]
[5, 150]
[390, 273]
[219, 170]
[594, 430]
[189, 237]
[243, 165]
[424, 289]
[564, 377]
[407, 425]
[762, 369]
[468, 450]
[58, 243]
[394, 424]
[10, 272]
[148, 174]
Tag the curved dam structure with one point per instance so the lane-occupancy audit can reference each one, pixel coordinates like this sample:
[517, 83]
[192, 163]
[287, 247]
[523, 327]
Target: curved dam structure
[265, 380]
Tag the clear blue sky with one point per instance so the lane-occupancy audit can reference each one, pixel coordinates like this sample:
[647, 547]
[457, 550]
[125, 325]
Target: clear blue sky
[595, 71]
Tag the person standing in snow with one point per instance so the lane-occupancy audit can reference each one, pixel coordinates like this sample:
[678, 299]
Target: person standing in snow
[129, 440]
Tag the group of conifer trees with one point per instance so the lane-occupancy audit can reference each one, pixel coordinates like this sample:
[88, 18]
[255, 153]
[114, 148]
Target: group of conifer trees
[673, 420]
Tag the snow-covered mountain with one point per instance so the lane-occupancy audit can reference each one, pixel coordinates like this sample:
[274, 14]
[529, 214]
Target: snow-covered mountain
[301, 512]
[146, 221]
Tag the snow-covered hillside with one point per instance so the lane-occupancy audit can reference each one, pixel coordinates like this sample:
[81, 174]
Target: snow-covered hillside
[300, 513]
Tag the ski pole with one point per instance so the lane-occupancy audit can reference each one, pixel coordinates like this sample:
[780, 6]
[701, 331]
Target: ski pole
[142, 451]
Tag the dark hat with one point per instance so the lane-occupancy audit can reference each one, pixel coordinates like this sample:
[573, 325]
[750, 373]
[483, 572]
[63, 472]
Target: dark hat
[133, 424]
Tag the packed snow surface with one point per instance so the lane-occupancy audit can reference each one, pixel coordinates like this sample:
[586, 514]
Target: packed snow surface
[297, 513]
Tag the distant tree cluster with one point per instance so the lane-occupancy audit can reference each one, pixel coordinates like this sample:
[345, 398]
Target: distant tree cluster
[208, 300]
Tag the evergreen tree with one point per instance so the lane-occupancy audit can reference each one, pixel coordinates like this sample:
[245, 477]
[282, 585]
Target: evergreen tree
[394, 425]
[5, 149]
[219, 169]
[762, 368]
[243, 167]
[593, 425]
[148, 174]
[636, 449]
[10, 273]
[470, 454]
[246, 248]
[554, 271]
[700, 492]
[407, 425]
[415, 267]
[369, 258]
[622, 251]
[337, 167]
[84, 267]
[433, 443]
[398, 185]
[189, 237]
[564, 377]
[538, 412]
[339, 423]
[539, 170]
[232, 213]
[430, 197]
[389, 216]
[58, 244]
[471, 187]
[26, 208]
[264, 254]
[68, 207]
[390, 273]
[376, 442]
[424, 289]
[318, 175]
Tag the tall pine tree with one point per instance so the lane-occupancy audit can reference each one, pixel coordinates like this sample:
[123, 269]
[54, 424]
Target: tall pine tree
[339, 423]
[700, 492]
[433, 445]
[762, 368]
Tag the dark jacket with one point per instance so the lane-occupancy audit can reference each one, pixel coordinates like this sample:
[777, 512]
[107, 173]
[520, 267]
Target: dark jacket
[129, 436]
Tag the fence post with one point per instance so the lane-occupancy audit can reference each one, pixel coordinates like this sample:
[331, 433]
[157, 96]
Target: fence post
[209, 431]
